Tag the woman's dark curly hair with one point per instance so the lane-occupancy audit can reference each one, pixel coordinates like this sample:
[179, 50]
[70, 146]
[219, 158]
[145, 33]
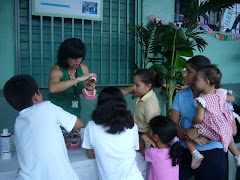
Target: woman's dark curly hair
[111, 111]
[71, 48]
[166, 130]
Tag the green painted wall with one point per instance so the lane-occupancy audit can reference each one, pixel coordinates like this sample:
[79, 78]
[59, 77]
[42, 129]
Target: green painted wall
[163, 9]
[7, 41]
[226, 54]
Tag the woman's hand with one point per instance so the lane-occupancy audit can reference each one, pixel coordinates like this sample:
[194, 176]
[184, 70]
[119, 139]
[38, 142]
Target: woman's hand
[192, 133]
[84, 77]
[201, 140]
[148, 140]
[90, 86]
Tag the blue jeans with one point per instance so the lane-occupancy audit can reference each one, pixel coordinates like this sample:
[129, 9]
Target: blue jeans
[213, 166]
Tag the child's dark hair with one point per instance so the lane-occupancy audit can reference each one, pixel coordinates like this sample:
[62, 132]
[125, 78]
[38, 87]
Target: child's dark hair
[19, 91]
[166, 130]
[111, 111]
[70, 48]
[148, 77]
[213, 74]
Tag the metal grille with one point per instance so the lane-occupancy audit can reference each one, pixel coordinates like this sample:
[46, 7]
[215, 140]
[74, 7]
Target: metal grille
[111, 50]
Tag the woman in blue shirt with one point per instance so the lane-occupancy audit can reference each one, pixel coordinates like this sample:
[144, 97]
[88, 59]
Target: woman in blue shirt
[183, 111]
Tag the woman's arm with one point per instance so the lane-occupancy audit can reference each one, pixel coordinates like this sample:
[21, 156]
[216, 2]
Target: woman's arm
[90, 154]
[200, 114]
[55, 85]
[187, 134]
[175, 116]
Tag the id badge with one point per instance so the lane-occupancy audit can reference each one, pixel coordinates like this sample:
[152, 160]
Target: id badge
[74, 104]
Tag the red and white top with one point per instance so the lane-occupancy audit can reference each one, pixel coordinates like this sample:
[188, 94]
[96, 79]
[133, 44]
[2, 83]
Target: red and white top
[218, 118]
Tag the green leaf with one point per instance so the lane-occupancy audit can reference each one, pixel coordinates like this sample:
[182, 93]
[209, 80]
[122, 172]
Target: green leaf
[159, 68]
[181, 34]
[181, 63]
[188, 52]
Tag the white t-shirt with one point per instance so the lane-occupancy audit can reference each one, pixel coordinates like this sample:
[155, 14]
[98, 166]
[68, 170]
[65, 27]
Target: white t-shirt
[41, 150]
[115, 153]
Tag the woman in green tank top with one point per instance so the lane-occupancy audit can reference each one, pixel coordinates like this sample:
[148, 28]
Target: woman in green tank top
[67, 77]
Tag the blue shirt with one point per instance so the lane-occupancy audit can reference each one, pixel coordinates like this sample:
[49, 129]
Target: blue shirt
[184, 103]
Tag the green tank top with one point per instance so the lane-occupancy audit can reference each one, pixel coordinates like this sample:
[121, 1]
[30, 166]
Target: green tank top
[64, 99]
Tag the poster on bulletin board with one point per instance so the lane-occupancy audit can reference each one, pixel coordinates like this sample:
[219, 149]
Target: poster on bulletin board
[77, 9]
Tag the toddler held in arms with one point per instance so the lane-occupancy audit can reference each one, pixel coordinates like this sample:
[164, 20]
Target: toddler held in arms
[214, 118]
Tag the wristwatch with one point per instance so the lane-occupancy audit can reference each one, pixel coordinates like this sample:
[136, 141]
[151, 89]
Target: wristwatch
[200, 131]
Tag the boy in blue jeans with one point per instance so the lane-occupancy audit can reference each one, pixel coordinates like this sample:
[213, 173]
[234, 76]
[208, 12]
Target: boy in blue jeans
[39, 142]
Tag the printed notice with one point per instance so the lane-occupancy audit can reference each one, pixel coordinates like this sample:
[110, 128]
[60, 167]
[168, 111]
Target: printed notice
[79, 9]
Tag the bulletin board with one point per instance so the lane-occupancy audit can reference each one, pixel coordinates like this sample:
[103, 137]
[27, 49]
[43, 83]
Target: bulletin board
[77, 9]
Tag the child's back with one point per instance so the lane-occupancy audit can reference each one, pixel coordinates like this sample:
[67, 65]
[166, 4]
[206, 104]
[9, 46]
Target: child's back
[112, 137]
[161, 164]
[40, 147]
[165, 157]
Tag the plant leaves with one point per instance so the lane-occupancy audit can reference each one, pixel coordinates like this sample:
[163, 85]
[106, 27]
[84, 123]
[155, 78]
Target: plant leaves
[159, 68]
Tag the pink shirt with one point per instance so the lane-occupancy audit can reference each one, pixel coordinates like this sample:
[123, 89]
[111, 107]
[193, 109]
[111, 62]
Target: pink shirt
[161, 164]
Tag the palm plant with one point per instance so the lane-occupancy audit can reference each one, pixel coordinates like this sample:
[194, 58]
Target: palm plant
[164, 46]
[172, 43]
[175, 43]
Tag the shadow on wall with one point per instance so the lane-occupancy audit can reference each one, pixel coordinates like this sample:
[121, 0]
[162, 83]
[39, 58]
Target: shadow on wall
[8, 114]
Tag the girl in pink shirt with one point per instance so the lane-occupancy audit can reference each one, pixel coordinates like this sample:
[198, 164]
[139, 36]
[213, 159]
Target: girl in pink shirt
[165, 157]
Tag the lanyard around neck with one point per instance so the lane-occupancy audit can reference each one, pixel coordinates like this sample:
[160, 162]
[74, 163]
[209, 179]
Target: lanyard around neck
[74, 87]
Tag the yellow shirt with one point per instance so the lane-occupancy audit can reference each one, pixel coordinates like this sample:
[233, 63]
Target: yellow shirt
[145, 109]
